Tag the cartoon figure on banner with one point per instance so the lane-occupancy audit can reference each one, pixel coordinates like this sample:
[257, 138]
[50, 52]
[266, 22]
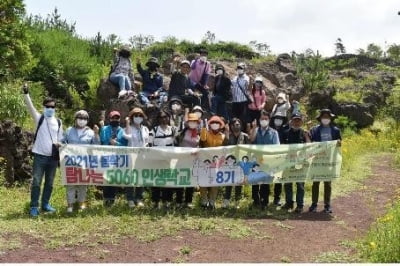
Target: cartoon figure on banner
[230, 162]
[217, 162]
[252, 172]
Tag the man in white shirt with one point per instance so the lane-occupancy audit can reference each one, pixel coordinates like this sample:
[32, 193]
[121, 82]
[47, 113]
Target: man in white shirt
[48, 133]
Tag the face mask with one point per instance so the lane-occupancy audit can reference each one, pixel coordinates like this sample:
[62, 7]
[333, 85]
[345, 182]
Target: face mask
[280, 100]
[278, 122]
[199, 114]
[264, 123]
[258, 85]
[138, 120]
[114, 123]
[214, 126]
[81, 122]
[193, 125]
[240, 71]
[49, 112]
[203, 58]
[220, 72]
[325, 121]
[175, 107]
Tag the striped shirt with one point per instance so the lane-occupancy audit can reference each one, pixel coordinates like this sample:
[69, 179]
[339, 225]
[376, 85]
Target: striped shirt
[237, 93]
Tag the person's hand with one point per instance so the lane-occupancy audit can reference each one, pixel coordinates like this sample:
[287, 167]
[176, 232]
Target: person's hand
[227, 129]
[339, 143]
[96, 129]
[254, 123]
[113, 142]
[101, 123]
[127, 121]
[25, 88]
[156, 94]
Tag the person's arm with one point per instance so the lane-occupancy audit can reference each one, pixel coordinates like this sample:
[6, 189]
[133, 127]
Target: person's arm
[140, 69]
[31, 108]
[60, 134]
[203, 134]
[127, 131]
[263, 100]
[275, 139]
[159, 83]
[253, 132]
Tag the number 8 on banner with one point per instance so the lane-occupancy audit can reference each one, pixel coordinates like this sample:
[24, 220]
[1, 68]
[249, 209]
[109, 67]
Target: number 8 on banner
[225, 177]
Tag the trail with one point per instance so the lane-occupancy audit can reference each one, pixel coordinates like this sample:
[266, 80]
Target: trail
[300, 238]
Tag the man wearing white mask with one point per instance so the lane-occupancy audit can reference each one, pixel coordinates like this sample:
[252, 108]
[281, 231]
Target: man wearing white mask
[240, 93]
[80, 133]
[47, 139]
[177, 113]
[325, 131]
[262, 135]
[199, 74]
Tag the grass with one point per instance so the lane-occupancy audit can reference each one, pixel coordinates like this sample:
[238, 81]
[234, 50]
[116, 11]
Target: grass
[98, 225]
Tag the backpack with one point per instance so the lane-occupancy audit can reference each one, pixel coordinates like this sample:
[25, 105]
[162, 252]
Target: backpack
[40, 123]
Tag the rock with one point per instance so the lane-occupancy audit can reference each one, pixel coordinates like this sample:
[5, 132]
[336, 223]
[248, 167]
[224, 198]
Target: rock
[285, 63]
[322, 99]
[362, 114]
[15, 147]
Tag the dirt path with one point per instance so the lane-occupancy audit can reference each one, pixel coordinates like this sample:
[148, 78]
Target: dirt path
[298, 239]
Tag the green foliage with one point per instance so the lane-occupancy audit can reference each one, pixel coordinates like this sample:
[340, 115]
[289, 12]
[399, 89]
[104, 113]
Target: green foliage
[373, 51]
[12, 103]
[393, 52]
[382, 242]
[348, 96]
[347, 126]
[392, 108]
[312, 70]
[15, 56]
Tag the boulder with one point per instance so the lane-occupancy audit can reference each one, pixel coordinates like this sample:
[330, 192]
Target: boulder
[322, 99]
[362, 114]
[285, 63]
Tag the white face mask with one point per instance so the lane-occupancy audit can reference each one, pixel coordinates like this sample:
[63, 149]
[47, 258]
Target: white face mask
[215, 126]
[176, 107]
[264, 123]
[325, 121]
[137, 120]
[193, 125]
[199, 114]
[278, 122]
[240, 71]
[280, 100]
[81, 122]
[220, 72]
[203, 58]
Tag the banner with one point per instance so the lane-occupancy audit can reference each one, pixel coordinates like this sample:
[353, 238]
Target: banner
[204, 167]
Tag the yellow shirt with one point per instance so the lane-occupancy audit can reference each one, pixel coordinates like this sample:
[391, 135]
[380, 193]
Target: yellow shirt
[210, 139]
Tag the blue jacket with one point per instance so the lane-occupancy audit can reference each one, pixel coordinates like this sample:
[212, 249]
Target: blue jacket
[270, 137]
[151, 82]
[107, 132]
[315, 133]
[88, 137]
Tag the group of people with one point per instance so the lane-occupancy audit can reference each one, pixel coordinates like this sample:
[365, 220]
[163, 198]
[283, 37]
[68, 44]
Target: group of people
[184, 123]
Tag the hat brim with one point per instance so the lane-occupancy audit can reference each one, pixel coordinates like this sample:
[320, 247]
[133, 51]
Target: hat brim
[330, 114]
[148, 63]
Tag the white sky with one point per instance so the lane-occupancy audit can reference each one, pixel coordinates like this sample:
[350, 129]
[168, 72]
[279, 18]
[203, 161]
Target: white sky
[286, 25]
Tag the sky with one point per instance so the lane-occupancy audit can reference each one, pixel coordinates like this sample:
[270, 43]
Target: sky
[285, 25]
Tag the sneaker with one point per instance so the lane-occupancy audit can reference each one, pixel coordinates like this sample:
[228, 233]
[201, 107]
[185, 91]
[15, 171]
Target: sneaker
[131, 203]
[287, 206]
[327, 209]
[82, 205]
[140, 204]
[34, 212]
[298, 209]
[211, 206]
[313, 208]
[225, 204]
[277, 203]
[122, 93]
[70, 210]
[48, 208]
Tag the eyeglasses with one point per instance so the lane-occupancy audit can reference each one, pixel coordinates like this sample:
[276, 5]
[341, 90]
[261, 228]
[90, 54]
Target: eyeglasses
[50, 106]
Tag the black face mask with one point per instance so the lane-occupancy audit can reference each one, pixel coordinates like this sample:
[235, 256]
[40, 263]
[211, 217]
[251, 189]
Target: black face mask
[114, 123]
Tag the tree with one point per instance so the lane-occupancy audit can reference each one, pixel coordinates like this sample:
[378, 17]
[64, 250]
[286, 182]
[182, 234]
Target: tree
[373, 51]
[139, 42]
[339, 47]
[15, 56]
[209, 37]
[394, 52]
[260, 47]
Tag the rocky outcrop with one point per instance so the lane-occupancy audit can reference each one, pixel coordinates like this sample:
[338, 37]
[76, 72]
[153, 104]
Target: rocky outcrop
[362, 114]
[15, 146]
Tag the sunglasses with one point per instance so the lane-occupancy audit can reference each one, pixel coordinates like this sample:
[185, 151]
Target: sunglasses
[50, 106]
[137, 115]
[240, 68]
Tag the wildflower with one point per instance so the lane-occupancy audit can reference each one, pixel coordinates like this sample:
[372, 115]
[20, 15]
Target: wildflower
[372, 245]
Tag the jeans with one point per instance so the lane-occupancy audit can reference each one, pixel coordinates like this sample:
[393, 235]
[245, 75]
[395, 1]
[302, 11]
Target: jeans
[228, 192]
[327, 192]
[218, 106]
[47, 166]
[121, 80]
[299, 194]
[132, 193]
[144, 97]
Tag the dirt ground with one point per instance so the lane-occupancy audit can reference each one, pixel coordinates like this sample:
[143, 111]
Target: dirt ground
[298, 239]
